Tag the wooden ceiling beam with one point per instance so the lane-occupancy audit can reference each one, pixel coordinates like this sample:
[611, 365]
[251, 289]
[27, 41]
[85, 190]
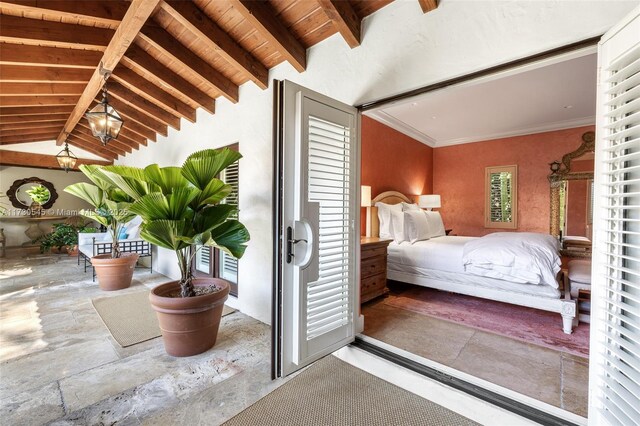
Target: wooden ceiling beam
[95, 144]
[106, 13]
[135, 17]
[17, 54]
[125, 95]
[35, 100]
[53, 34]
[93, 148]
[217, 39]
[344, 19]
[169, 45]
[147, 90]
[14, 111]
[149, 125]
[117, 143]
[136, 57]
[264, 19]
[30, 89]
[126, 136]
[26, 124]
[40, 161]
[428, 5]
[38, 137]
[20, 74]
[32, 131]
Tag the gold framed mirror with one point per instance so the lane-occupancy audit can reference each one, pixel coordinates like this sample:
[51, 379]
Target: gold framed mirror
[576, 168]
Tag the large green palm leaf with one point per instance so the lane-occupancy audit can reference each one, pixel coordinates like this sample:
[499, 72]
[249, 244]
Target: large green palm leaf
[131, 180]
[166, 233]
[202, 167]
[88, 192]
[212, 217]
[213, 193]
[231, 237]
[167, 178]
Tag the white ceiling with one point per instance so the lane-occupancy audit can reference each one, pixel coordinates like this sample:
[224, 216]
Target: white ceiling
[48, 148]
[557, 93]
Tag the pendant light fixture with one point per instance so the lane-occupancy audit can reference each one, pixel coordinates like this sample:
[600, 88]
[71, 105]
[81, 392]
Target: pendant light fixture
[104, 120]
[66, 159]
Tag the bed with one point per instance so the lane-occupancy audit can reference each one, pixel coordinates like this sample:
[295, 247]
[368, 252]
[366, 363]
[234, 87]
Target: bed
[439, 263]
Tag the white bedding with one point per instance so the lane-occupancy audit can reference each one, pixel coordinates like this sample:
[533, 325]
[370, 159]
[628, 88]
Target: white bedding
[521, 257]
[441, 258]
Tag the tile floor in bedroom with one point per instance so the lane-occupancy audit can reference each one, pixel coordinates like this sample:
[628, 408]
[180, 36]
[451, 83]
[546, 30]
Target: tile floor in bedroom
[555, 377]
[60, 365]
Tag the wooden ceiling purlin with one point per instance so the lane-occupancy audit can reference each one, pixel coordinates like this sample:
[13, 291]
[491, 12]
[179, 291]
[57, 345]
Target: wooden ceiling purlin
[42, 161]
[138, 59]
[20, 101]
[23, 124]
[135, 17]
[103, 14]
[53, 34]
[42, 89]
[127, 96]
[13, 111]
[190, 62]
[208, 32]
[92, 143]
[20, 74]
[32, 131]
[38, 137]
[344, 18]
[145, 89]
[131, 114]
[99, 151]
[428, 5]
[263, 18]
[48, 56]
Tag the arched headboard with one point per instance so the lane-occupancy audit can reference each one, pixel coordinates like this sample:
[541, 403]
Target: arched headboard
[387, 197]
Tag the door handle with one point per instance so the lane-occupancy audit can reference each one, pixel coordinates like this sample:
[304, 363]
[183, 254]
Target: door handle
[291, 242]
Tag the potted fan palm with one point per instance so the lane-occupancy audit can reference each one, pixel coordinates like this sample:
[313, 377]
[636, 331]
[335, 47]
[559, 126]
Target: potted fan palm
[110, 208]
[182, 210]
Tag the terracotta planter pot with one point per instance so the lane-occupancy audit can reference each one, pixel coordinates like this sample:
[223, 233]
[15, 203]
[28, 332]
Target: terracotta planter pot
[114, 274]
[72, 250]
[189, 325]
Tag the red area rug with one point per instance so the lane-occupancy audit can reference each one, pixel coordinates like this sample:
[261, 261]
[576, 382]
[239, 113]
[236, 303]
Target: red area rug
[525, 324]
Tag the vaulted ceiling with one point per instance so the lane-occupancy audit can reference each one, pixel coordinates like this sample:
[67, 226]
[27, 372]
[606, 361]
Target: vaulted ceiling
[166, 58]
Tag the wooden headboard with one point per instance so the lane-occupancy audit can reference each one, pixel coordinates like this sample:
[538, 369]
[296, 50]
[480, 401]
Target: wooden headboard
[388, 197]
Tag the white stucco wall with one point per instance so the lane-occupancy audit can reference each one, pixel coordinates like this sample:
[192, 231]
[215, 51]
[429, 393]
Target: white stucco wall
[14, 230]
[402, 49]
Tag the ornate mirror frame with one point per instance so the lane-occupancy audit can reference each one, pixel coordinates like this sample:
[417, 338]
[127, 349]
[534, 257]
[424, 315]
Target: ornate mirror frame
[12, 191]
[564, 173]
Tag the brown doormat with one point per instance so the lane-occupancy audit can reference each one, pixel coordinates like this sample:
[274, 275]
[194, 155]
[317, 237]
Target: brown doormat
[130, 318]
[332, 392]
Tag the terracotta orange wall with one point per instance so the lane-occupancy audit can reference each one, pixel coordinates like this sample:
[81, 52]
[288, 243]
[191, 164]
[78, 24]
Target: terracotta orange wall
[393, 161]
[458, 176]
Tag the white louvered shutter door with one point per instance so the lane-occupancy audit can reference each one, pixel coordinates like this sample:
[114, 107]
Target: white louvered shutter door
[228, 268]
[615, 354]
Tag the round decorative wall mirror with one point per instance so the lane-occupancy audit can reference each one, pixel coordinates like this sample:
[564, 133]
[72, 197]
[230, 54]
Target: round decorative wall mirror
[21, 199]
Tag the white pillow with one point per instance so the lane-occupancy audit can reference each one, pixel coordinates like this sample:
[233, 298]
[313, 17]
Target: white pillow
[416, 226]
[397, 226]
[436, 227]
[406, 207]
[384, 216]
[133, 232]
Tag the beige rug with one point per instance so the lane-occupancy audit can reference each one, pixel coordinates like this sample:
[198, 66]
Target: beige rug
[130, 318]
[332, 392]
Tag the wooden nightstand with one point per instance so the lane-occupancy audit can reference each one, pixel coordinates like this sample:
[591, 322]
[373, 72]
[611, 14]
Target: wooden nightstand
[373, 268]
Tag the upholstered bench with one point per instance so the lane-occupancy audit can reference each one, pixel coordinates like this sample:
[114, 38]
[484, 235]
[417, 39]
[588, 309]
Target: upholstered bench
[579, 276]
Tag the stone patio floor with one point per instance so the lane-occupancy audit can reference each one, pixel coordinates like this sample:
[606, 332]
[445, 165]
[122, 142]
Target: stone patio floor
[59, 364]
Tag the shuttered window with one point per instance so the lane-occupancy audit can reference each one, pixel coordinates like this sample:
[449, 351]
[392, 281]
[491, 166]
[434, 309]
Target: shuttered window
[501, 197]
[228, 266]
[616, 366]
[329, 180]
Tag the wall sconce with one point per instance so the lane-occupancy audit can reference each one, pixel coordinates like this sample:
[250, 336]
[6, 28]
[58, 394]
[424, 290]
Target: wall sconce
[429, 202]
[555, 167]
[365, 201]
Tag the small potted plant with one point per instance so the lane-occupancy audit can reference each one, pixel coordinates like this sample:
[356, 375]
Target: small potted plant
[39, 195]
[181, 209]
[110, 208]
[64, 236]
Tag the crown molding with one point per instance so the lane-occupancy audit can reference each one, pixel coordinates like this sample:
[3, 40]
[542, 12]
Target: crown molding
[386, 119]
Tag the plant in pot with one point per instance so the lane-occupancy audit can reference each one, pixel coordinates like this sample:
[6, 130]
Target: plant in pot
[64, 236]
[39, 195]
[110, 208]
[182, 210]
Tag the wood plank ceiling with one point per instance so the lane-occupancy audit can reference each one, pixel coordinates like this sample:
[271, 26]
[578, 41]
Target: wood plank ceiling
[167, 58]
